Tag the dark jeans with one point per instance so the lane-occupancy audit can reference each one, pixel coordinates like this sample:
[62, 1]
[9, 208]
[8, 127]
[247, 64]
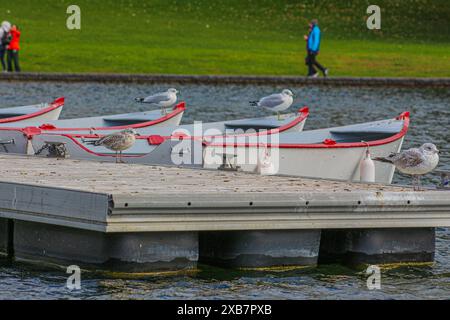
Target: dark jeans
[13, 57]
[311, 62]
[2, 57]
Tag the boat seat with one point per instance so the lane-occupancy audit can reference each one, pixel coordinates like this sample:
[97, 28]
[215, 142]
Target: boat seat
[126, 119]
[358, 137]
[253, 124]
[358, 133]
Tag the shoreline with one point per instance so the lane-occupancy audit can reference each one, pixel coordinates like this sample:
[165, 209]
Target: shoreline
[225, 79]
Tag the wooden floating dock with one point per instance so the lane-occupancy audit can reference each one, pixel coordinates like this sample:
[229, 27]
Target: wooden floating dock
[149, 218]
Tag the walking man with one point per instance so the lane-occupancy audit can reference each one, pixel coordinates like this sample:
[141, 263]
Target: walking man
[5, 38]
[13, 50]
[313, 48]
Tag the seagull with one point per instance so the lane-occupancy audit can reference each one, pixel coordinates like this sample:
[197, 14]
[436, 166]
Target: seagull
[162, 99]
[118, 142]
[414, 161]
[276, 102]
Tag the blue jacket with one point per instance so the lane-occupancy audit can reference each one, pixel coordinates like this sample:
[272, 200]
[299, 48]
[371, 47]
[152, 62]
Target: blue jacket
[314, 40]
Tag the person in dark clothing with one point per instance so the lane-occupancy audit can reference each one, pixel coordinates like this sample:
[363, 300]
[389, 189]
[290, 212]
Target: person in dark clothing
[13, 50]
[5, 39]
[313, 47]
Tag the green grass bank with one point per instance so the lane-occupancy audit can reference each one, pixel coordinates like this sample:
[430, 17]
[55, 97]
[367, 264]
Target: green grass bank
[232, 37]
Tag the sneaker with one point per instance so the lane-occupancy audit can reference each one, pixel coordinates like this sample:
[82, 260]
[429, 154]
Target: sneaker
[315, 75]
[325, 73]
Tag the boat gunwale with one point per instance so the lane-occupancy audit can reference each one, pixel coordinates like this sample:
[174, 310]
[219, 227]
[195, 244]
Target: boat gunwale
[330, 144]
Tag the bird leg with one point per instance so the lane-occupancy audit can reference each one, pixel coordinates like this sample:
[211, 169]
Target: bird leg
[163, 111]
[278, 114]
[416, 182]
[117, 157]
[120, 157]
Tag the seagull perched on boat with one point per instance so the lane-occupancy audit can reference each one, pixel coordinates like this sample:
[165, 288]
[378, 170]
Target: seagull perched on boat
[162, 99]
[276, 102]
[414, 161]
[118, 142]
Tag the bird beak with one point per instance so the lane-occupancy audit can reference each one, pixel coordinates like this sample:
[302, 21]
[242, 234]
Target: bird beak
[138, 134]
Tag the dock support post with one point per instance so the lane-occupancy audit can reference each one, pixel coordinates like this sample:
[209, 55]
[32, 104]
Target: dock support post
[153, 251]
[6, 237]
[124, 252]
[377, 246]
[260, 249]
[56, 244]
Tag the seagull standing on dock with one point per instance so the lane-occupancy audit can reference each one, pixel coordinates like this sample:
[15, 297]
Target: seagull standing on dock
[414, 161]
[276, 102]
[118, 142]
[163, 99]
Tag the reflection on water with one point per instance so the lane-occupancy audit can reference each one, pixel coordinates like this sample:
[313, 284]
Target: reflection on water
[430, 110]
[322, 282]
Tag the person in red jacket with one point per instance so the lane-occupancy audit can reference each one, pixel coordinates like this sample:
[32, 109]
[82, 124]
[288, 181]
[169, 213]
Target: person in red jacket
[13, 50]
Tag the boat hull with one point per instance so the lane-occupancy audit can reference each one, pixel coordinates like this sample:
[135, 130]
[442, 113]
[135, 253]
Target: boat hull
[332, 153]
[48, 116]
[326, 163]
[142, 152]
[35, 114]
[14, 141]
[145, 145]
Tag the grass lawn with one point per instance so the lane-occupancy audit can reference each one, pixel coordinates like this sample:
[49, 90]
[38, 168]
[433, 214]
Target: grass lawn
[258, 37]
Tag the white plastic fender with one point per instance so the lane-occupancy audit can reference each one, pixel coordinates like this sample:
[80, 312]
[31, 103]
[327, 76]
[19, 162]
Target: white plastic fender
[265, 165]
[367, 168]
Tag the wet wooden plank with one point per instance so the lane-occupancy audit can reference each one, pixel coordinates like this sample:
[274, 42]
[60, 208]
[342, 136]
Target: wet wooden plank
[138, 179]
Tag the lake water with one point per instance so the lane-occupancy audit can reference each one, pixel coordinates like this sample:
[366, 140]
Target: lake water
[329, 106]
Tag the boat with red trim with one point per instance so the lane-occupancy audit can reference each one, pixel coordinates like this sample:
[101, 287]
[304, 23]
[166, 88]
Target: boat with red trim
[332, 153]
[147, 147]
[37, 113]
[15, 139]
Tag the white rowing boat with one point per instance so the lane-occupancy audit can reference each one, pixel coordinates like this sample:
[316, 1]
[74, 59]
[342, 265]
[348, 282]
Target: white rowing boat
[15, 136]
[332, 153]
[147, 148]
[39, 113]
